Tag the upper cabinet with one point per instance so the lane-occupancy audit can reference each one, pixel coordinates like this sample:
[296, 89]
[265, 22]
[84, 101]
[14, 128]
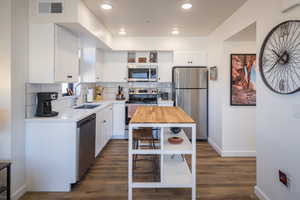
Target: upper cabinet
[53, 54]
[190, 58]
[115, 67]
[165, 60]
[91, 64]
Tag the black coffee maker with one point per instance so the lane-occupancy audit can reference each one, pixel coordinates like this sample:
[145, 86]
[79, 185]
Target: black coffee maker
[44, 107]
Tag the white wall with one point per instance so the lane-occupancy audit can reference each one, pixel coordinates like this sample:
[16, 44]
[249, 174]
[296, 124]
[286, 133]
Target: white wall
[160, 43]
[238, 122]
[231, 128]
[19, 71]
[219, 89]
[13, 73]
[277, 116]
[89, 21]
[277, 125]
[5, 72]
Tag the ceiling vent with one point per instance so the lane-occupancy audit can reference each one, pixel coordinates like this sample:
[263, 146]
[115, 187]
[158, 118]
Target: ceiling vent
[50, 6]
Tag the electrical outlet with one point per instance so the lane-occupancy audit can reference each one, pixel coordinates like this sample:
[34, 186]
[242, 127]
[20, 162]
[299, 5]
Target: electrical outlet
[283, 178]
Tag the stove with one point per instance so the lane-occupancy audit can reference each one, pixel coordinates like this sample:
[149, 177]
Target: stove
[143, 96]
[140, 97]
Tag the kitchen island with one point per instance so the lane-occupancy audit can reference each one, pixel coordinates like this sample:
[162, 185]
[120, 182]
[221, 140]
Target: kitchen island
[174, 172]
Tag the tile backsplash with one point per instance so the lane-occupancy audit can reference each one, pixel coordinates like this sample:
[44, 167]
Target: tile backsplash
[60, 104]
[110, 91]
[111, 88]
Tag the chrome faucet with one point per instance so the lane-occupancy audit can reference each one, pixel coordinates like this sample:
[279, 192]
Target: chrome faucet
[76, 96]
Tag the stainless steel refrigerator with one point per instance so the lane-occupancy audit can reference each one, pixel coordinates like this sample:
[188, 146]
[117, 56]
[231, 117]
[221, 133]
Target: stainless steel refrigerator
[190, 92]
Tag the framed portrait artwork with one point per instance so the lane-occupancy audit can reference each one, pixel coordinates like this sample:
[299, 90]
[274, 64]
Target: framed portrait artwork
[243, 80]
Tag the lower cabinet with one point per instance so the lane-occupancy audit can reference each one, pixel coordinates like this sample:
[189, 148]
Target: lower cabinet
[165, 103]
[119, 121]
[103, 128]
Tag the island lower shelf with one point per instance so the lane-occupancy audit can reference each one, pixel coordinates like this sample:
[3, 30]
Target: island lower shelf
[175, 174]
[166, 148]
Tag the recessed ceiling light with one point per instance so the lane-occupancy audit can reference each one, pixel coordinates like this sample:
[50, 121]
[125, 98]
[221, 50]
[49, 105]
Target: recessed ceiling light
[186, 6]
[106, 6]
[175, 32]
[122, 32]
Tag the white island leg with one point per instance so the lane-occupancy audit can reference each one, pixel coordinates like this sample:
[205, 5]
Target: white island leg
[194, 164]
[130, 164]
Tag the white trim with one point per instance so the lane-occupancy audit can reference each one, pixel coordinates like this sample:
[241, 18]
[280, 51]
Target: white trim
[119, 137]
[260, 194]
[215, 146]
[224, 153]
[19, 192]
[238, 153]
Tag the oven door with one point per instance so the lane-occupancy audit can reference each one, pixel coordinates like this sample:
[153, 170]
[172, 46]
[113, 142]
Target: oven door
[138, 74]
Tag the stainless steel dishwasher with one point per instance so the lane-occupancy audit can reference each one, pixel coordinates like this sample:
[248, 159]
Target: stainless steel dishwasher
[86, 130]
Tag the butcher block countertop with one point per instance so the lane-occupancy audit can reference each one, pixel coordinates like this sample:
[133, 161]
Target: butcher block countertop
[157, 114]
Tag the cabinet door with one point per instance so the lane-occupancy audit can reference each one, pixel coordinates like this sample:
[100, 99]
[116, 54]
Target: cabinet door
[115, 67]
[165, 60]
[165, 103]
[110, 122]
[119, 120]
[41, 53]
[87, 65]
[66, 55]
[99, 64]
[99, 132]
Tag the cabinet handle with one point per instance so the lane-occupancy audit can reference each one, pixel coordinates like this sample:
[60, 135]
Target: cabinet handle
[69, 76]
[104, 121]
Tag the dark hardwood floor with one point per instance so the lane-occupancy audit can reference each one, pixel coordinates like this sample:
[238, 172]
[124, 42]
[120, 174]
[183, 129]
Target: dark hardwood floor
[217, 179]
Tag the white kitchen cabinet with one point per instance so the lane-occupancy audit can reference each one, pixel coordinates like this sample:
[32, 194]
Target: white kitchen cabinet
[53, 54]
[119, 120]
[99, 133]
[103, 128]
[108, 124]
[165, 103]
[165, 60]
[190, 58]
[115, 67]
[91, 62]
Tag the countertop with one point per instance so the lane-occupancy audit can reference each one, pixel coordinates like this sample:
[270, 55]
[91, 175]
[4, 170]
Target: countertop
[154, 114]
[74, 115]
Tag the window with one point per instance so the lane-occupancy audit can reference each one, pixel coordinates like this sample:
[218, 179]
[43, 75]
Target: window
[67, 89]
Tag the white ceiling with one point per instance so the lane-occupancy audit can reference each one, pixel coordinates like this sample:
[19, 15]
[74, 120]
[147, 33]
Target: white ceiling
[159, 17]
[247, 34]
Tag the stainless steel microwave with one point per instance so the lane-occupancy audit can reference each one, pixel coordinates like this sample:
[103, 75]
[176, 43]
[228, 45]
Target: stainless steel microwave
[142, 73]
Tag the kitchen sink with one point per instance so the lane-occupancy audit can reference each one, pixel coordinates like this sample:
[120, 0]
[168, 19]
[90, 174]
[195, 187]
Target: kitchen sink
[88, 106]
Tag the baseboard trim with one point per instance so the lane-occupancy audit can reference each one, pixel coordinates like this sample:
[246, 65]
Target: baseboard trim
[119, 137]
[224, 153]
[260, 194]
[19, 193]
[215, 146]
[238, 153]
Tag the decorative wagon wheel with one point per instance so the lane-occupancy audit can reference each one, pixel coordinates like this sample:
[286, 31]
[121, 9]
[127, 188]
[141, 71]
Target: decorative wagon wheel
[279, 60]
